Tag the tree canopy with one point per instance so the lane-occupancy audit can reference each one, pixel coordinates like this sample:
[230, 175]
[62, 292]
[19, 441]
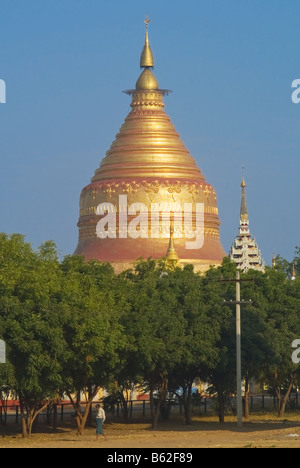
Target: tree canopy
[73, 327]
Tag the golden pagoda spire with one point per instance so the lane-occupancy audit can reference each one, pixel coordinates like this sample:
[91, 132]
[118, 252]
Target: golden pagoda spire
[293, 274]
[147, 80]
[244, 211]
[172, 257]
[147, 59]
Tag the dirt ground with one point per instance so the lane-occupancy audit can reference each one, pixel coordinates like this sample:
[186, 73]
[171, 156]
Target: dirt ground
[208, 433]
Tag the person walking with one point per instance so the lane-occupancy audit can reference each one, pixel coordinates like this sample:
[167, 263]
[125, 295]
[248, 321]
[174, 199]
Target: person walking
[100, 419]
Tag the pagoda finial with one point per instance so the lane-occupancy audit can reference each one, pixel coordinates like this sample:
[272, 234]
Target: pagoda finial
[147, 60]
[147, 79]
[172, 257]
[147, 22]
[244, 211]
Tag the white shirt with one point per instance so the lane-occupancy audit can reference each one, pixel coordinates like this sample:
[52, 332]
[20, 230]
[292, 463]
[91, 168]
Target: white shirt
[101, 414]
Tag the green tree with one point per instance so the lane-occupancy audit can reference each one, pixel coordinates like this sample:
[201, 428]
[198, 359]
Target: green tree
[281, 264]
[7, 383]
[126, 376]
[222, 375]
[296, 260]
[156, 325]
[92, 331]
[254, 330]
[32, 328]
[285, 266]
[283, 328]
[201, 333]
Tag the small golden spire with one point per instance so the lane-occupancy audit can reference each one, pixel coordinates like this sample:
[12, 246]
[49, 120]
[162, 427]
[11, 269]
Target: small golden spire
[172, 257]
[147, 80]
[273, 261]
[244, 211]
[147, 60]
[243, 184]
[293, 274]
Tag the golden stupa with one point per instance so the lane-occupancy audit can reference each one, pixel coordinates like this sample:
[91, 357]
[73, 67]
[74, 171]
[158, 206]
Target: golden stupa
[146, 172]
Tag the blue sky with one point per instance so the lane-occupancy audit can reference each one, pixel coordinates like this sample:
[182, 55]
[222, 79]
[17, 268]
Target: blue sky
[230, 65]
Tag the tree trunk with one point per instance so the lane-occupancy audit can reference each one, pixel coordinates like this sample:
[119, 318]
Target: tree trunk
[156, 415]
[29, 413]
[24, 426]
[81, 418]
[246, 403]
[125, 410]
[278, 397]
[152, 405]
[187, 403]
[221, 398]
[54, 423]
[283, 401]
[155, 409]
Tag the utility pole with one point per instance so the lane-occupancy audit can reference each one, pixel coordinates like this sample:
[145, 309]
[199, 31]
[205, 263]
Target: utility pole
[238, 302]
[239, 404]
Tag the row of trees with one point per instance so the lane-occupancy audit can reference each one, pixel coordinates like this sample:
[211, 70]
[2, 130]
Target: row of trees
[73, 327]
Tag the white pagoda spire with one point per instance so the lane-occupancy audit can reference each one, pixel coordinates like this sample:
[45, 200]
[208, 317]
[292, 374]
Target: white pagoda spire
[244, 251]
